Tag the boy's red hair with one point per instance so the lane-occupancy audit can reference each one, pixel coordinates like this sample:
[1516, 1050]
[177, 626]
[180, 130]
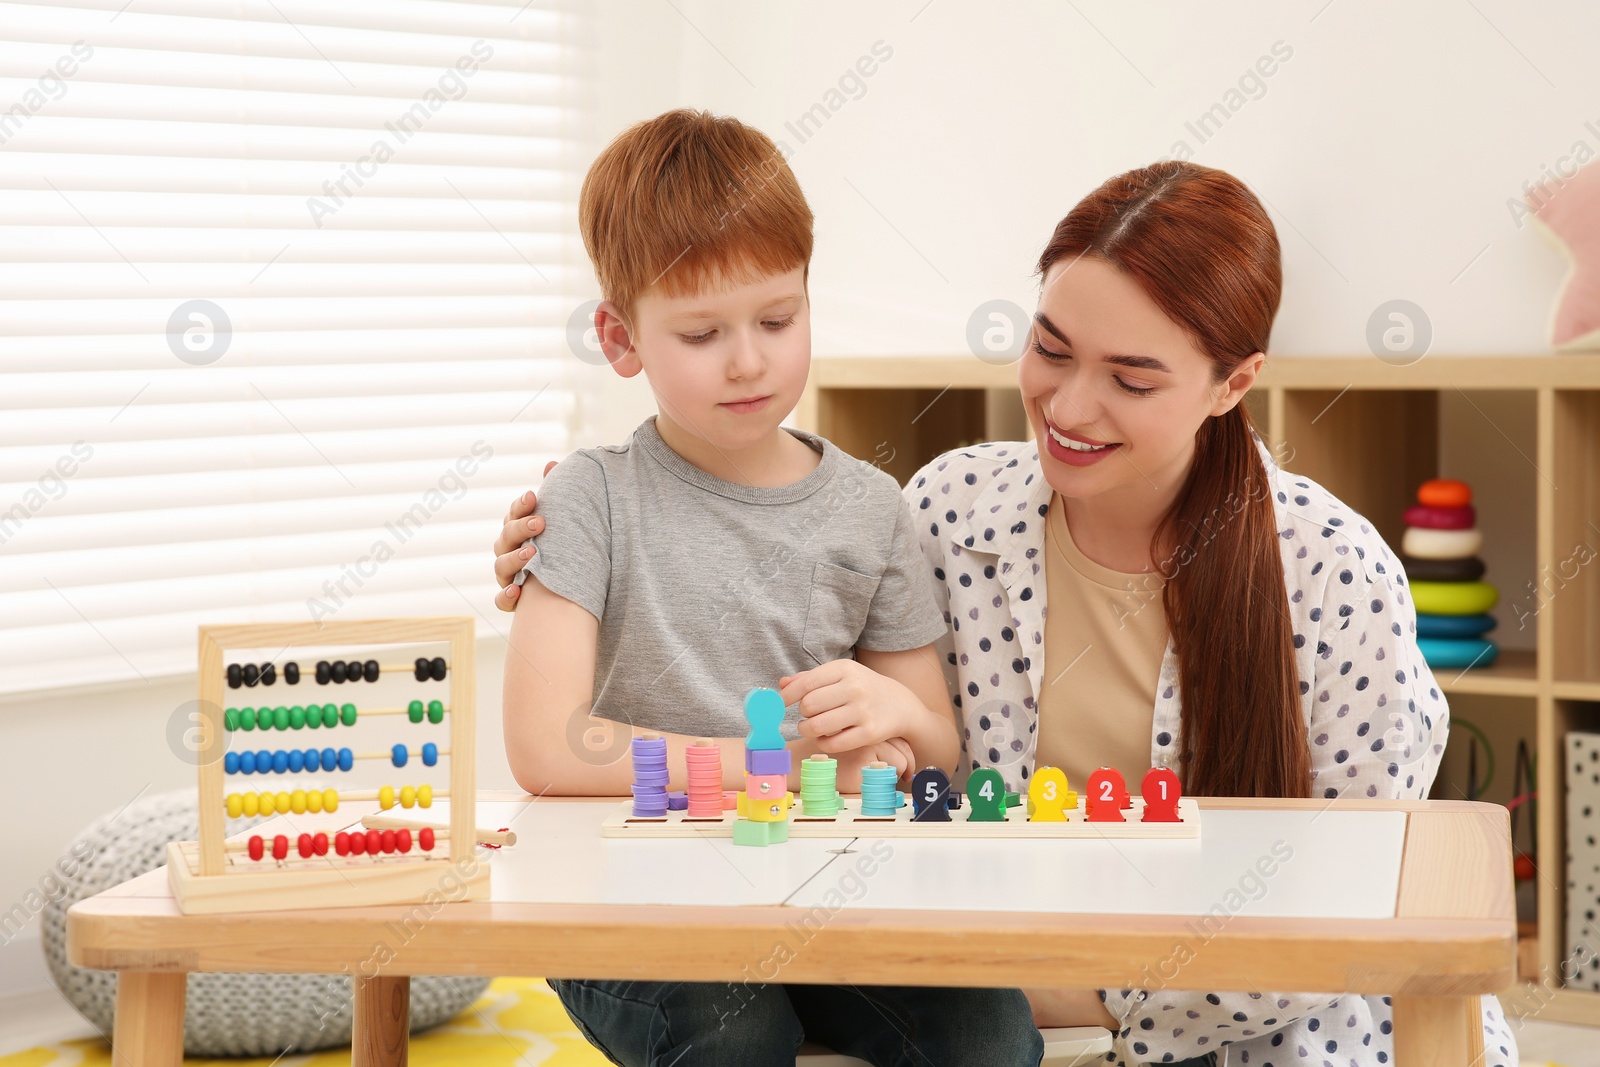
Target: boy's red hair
[686, 198]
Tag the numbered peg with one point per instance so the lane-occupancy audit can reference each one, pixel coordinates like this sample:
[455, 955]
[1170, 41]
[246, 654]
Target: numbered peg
[930, 796]
[1049, 796]
[1104, 796]
[986, 796]
[1160, 793]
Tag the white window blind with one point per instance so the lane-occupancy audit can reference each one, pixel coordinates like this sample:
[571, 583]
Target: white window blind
[284, 287]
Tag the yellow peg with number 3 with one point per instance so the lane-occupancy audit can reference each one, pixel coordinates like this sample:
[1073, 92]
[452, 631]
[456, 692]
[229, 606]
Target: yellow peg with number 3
[1049, 797]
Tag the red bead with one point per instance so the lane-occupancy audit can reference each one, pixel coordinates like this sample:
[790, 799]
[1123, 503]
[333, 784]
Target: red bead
[304, 846]
[425, 838]
[358, 844]
[257, 847]
[374, 842]
[280, 847]
[341, 843]
[319, 844]
[387, 840]
[402, 840]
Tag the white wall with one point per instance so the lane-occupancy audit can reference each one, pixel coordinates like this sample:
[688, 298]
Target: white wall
[1387, 146]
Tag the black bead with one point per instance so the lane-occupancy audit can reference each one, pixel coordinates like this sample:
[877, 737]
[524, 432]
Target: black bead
[235, 676]
[341, 672]
[269, 674]
[439, 668]
[252, 674]
[291, 673]
[421, 669]
[371, 671]
[323, 673]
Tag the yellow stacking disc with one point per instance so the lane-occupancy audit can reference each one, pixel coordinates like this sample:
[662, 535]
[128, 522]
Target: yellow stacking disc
[235, 805]
[425, 796]
[386, 797]
[330, 800]
[297, 802]
[1453, 598]
[408, 796]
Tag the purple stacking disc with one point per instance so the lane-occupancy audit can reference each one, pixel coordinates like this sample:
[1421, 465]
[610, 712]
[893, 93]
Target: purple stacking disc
[768, 761]
[678, 801]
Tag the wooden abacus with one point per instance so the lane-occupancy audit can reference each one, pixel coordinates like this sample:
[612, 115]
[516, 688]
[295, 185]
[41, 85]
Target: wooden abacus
[214, 875]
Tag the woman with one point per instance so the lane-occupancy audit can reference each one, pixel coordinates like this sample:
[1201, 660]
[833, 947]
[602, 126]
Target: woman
[1232, 621]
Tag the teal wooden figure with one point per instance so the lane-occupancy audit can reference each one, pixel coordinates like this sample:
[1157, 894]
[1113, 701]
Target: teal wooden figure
[764, 710]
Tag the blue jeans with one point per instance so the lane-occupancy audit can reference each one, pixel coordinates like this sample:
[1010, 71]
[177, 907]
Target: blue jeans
[727, 1024]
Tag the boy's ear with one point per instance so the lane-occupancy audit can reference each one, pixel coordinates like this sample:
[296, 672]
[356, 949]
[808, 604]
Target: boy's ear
[616, 339]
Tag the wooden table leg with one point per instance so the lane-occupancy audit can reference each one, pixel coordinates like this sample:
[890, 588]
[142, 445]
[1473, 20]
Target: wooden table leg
[1438, 1032]
[148, 1029]
[381, 1026]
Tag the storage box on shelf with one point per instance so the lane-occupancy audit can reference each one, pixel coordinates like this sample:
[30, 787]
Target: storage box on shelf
[1371, 433]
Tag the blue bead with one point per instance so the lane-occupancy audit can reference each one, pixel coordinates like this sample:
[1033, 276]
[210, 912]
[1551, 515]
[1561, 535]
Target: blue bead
[263, 761]
[330, 759]
[247, 763]
[297, 761]
[280, 761]
[230, 763]
[430, 754]
[347, 759]
[399, 755]
[313, 761]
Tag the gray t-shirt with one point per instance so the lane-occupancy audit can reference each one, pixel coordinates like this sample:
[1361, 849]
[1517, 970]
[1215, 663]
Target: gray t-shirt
[706, 588]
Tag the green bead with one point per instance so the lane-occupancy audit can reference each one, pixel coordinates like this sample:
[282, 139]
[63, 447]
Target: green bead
[348, 714]
[330, 715]
[280, 717]
[247, 719]
[435, 711]
[230, 719]
[297, 717]
[415, 710]
[264, 718]
[313, 717]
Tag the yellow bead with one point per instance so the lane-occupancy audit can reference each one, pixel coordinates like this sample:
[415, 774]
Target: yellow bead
[314, 801]
[386, 797]
[425, 796]
[247, 803]
[330, 800]
[285, 802]
[297, 802]
[408, 796]
[235, 805]
[266, 803]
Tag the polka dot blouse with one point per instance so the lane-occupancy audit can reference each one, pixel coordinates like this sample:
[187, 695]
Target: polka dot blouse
[1375, 718]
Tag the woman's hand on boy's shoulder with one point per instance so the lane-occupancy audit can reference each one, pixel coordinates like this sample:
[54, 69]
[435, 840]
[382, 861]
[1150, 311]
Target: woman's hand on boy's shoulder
[510, 554]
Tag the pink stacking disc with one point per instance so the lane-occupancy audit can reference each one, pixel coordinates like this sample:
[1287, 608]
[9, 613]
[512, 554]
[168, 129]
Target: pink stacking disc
[1426, 518]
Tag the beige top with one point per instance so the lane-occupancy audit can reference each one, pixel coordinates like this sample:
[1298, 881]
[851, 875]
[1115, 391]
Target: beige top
[1105, 633]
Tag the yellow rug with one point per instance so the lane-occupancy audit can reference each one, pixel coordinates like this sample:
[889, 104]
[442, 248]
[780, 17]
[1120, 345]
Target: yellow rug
[517, 1022]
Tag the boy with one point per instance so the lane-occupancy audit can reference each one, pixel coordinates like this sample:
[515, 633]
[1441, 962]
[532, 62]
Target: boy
[716, 551]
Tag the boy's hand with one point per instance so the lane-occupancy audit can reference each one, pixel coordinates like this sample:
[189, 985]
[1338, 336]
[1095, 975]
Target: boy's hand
[846, 706]
[520, 524]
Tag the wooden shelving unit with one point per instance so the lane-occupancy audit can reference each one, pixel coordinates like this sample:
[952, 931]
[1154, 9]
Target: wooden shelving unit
[1370, 432]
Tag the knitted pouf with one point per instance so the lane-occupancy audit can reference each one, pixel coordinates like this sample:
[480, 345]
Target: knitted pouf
[226, 1014]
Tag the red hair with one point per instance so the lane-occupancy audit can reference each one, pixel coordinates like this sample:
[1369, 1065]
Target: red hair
[686, 198]
[1203, 249]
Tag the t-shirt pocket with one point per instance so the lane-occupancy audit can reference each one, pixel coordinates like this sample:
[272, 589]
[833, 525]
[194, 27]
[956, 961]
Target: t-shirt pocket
[837, 611]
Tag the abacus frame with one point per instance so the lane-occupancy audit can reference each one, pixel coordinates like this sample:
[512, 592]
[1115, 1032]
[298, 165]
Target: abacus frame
[200, 874]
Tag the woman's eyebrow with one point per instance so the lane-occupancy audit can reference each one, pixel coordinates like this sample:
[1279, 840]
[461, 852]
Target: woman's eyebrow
[1137, 362]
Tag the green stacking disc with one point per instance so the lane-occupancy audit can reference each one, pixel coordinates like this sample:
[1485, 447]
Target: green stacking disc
[1454, 598]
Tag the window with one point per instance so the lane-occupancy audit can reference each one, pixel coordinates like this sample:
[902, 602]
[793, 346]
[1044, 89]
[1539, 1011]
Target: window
[286, 287]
